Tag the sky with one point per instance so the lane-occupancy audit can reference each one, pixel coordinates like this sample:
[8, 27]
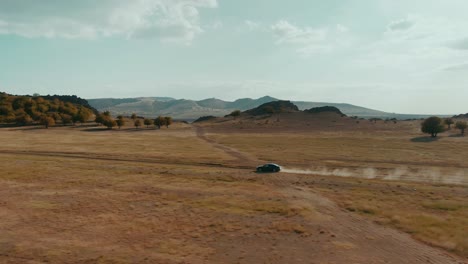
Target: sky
[398, 56]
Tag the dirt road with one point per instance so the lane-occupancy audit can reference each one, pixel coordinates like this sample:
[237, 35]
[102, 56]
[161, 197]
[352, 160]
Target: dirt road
[349, 237]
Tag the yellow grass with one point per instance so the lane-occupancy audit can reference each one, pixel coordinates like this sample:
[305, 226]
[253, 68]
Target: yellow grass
[167, 196]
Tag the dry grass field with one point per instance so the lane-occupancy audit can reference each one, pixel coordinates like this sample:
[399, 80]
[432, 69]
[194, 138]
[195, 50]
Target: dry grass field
[189, 195]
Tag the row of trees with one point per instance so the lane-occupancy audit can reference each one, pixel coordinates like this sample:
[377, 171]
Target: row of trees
[25, 110]
[107, 120]
[435, 125]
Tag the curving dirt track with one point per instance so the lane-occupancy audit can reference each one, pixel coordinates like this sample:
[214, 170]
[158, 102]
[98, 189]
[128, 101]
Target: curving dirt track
[240, 157]
[360, 240]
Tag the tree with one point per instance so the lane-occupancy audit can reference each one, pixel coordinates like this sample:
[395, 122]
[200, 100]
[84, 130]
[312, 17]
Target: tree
[134, 116]
[235, 113]
[82, 116]
[66, 119]
[47, 121]
[24, 119]
[120, 122]
[99, 119]
[106, 120]
[168, 121]
[448, 122]
[462, 126]
[159, 121]
[109, 122]
[432, 125]
[137, 123]
[148, 122]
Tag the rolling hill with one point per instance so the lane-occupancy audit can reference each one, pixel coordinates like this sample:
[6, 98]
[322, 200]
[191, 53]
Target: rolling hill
[190, 110]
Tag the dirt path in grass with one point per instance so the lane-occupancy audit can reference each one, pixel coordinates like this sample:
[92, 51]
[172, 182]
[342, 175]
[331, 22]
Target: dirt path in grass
[352, 239]
[341, 237]
[240, 157]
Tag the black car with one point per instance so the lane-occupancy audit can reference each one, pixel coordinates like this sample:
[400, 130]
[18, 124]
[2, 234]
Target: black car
[270, 167]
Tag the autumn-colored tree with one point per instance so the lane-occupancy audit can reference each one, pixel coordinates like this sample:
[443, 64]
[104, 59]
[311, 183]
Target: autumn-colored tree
[99, 119]
[137, 123]
[462, 126]
[66, 119]
[19, 109]
[106, 119]
[148, 122]
[159, 121]
[167, 121]
[448, 122]
[82, 115]
[24, 119]
[432, 125]
[55, 116]
[47, 121]
[109, 122]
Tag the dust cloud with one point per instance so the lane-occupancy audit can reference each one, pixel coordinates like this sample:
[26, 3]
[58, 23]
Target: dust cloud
[429, 175]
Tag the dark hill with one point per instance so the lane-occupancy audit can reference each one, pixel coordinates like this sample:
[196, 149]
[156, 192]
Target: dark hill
[275, 107]
[204, 118]
[461, 116]
[70, 99]
[324, 109]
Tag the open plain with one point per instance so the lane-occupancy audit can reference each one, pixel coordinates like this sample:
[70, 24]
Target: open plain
[350, 192]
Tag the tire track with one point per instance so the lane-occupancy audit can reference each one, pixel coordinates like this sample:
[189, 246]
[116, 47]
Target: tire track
[240, 157]
[107, 157]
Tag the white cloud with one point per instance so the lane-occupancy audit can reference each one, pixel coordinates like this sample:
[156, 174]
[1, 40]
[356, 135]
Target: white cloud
[307, 40]
[402, 24]
[456, 67]
[286, 32]
[416, 45]
[168, 20]
[461, 44]
[252, 25]
[342, 29]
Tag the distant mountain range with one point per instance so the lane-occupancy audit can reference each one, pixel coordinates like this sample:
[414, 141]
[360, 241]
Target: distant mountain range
[190, 109]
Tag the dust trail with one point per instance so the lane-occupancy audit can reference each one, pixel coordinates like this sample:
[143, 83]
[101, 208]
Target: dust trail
[320, 171]
[403, 173]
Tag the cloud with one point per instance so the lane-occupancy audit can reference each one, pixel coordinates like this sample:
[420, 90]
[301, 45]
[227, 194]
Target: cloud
[342, 29]
[460, 44]
[417, 50]
[252, 25]
[402, 24]
[307, 40]
[286, 32]
[168, 20]
[456, 67]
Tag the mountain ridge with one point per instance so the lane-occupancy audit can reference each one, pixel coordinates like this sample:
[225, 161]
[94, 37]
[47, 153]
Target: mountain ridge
[186, 109]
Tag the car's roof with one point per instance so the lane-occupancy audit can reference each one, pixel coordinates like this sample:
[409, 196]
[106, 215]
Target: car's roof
[274, 164]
